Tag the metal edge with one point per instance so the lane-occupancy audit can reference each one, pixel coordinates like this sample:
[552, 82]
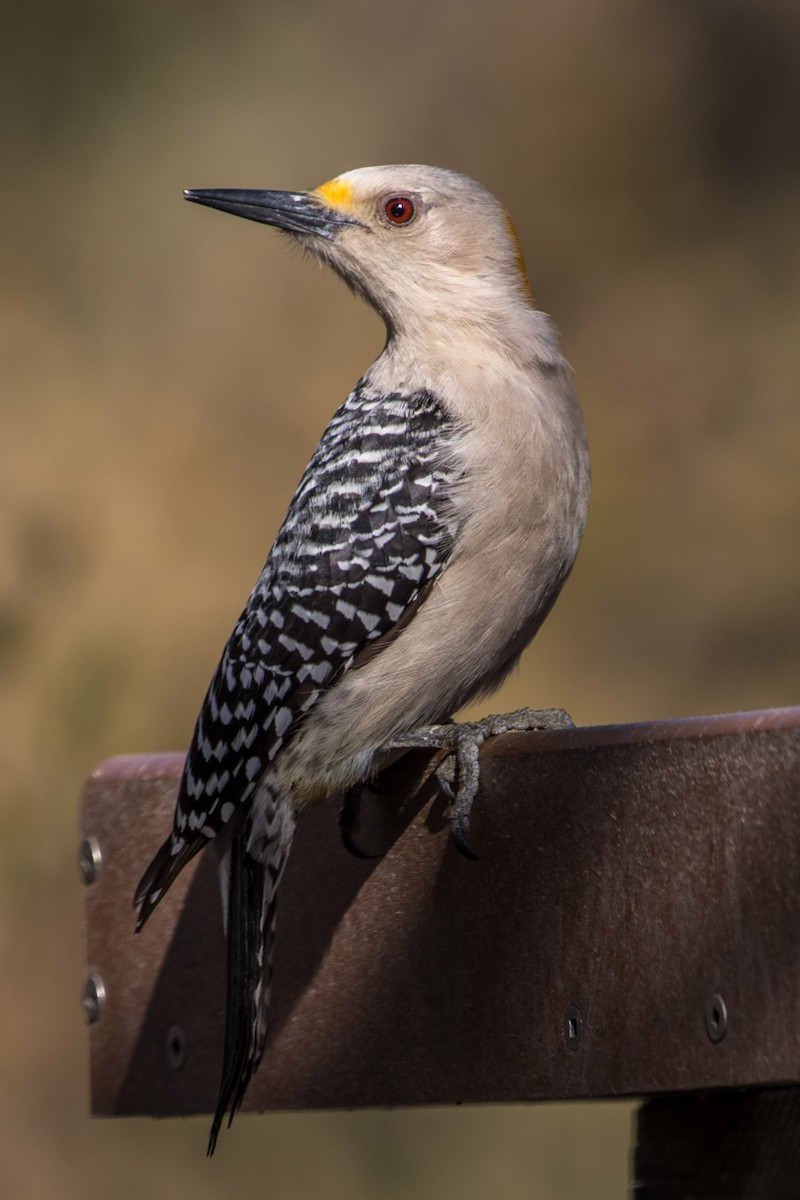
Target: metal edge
[169, 765]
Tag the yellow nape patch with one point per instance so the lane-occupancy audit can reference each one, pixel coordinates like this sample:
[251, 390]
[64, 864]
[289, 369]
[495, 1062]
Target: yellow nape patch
[337, 194]
[521, 268]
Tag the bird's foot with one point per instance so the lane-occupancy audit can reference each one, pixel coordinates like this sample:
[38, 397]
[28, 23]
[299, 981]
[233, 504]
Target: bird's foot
[459, 771]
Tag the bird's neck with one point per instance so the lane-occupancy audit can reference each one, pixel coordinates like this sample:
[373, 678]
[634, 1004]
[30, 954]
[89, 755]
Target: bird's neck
[430, 353]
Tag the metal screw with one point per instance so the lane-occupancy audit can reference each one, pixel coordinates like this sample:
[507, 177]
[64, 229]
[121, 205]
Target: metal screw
[573, 1027]
[93, 998]
[89, 859]
[716, 1018]
[176, 1047]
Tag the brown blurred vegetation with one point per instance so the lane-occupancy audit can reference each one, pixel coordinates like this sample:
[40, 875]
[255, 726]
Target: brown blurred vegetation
[165, 375]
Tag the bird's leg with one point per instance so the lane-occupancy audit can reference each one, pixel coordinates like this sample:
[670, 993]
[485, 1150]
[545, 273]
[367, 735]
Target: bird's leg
[459, 771]
[350, 819]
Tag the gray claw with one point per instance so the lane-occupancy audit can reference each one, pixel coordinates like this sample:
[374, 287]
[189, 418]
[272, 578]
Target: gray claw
[446, 775]
[458, 836]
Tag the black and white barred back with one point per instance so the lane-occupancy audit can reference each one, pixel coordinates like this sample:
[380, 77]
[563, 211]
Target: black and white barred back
[370, 525]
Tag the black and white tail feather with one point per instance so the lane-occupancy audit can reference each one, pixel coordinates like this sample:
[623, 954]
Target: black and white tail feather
[252, 892]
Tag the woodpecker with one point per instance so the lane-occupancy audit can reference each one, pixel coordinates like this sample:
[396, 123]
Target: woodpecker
[426, 542]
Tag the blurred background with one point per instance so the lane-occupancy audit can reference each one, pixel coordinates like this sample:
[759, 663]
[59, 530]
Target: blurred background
[167, 371]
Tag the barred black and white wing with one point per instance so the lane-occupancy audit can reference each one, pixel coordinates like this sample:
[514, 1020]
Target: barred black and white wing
[370, 526]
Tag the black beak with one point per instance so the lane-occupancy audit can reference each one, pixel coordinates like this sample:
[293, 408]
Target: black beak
[295, 212]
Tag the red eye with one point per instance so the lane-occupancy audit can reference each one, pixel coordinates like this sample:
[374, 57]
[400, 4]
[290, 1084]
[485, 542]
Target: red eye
[399, 210]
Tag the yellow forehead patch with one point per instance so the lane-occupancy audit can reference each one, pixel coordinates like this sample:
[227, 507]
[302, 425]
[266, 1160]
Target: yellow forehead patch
[521, 268]
[337, 194]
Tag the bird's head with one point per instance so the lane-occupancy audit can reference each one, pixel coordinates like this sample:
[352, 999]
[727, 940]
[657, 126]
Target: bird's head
[420, 243]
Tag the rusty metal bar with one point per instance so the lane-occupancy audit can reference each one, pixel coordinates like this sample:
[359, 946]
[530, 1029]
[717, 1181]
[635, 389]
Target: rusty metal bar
[630, 929]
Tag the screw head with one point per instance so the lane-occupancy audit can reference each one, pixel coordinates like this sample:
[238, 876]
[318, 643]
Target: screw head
[573, 1027]
[93, 998]
[89, 859]
[716, 1017]
[176, 1047]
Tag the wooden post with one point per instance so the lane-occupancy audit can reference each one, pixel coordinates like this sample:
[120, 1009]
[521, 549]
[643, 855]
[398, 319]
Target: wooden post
[740, 1145]
[631, 929]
